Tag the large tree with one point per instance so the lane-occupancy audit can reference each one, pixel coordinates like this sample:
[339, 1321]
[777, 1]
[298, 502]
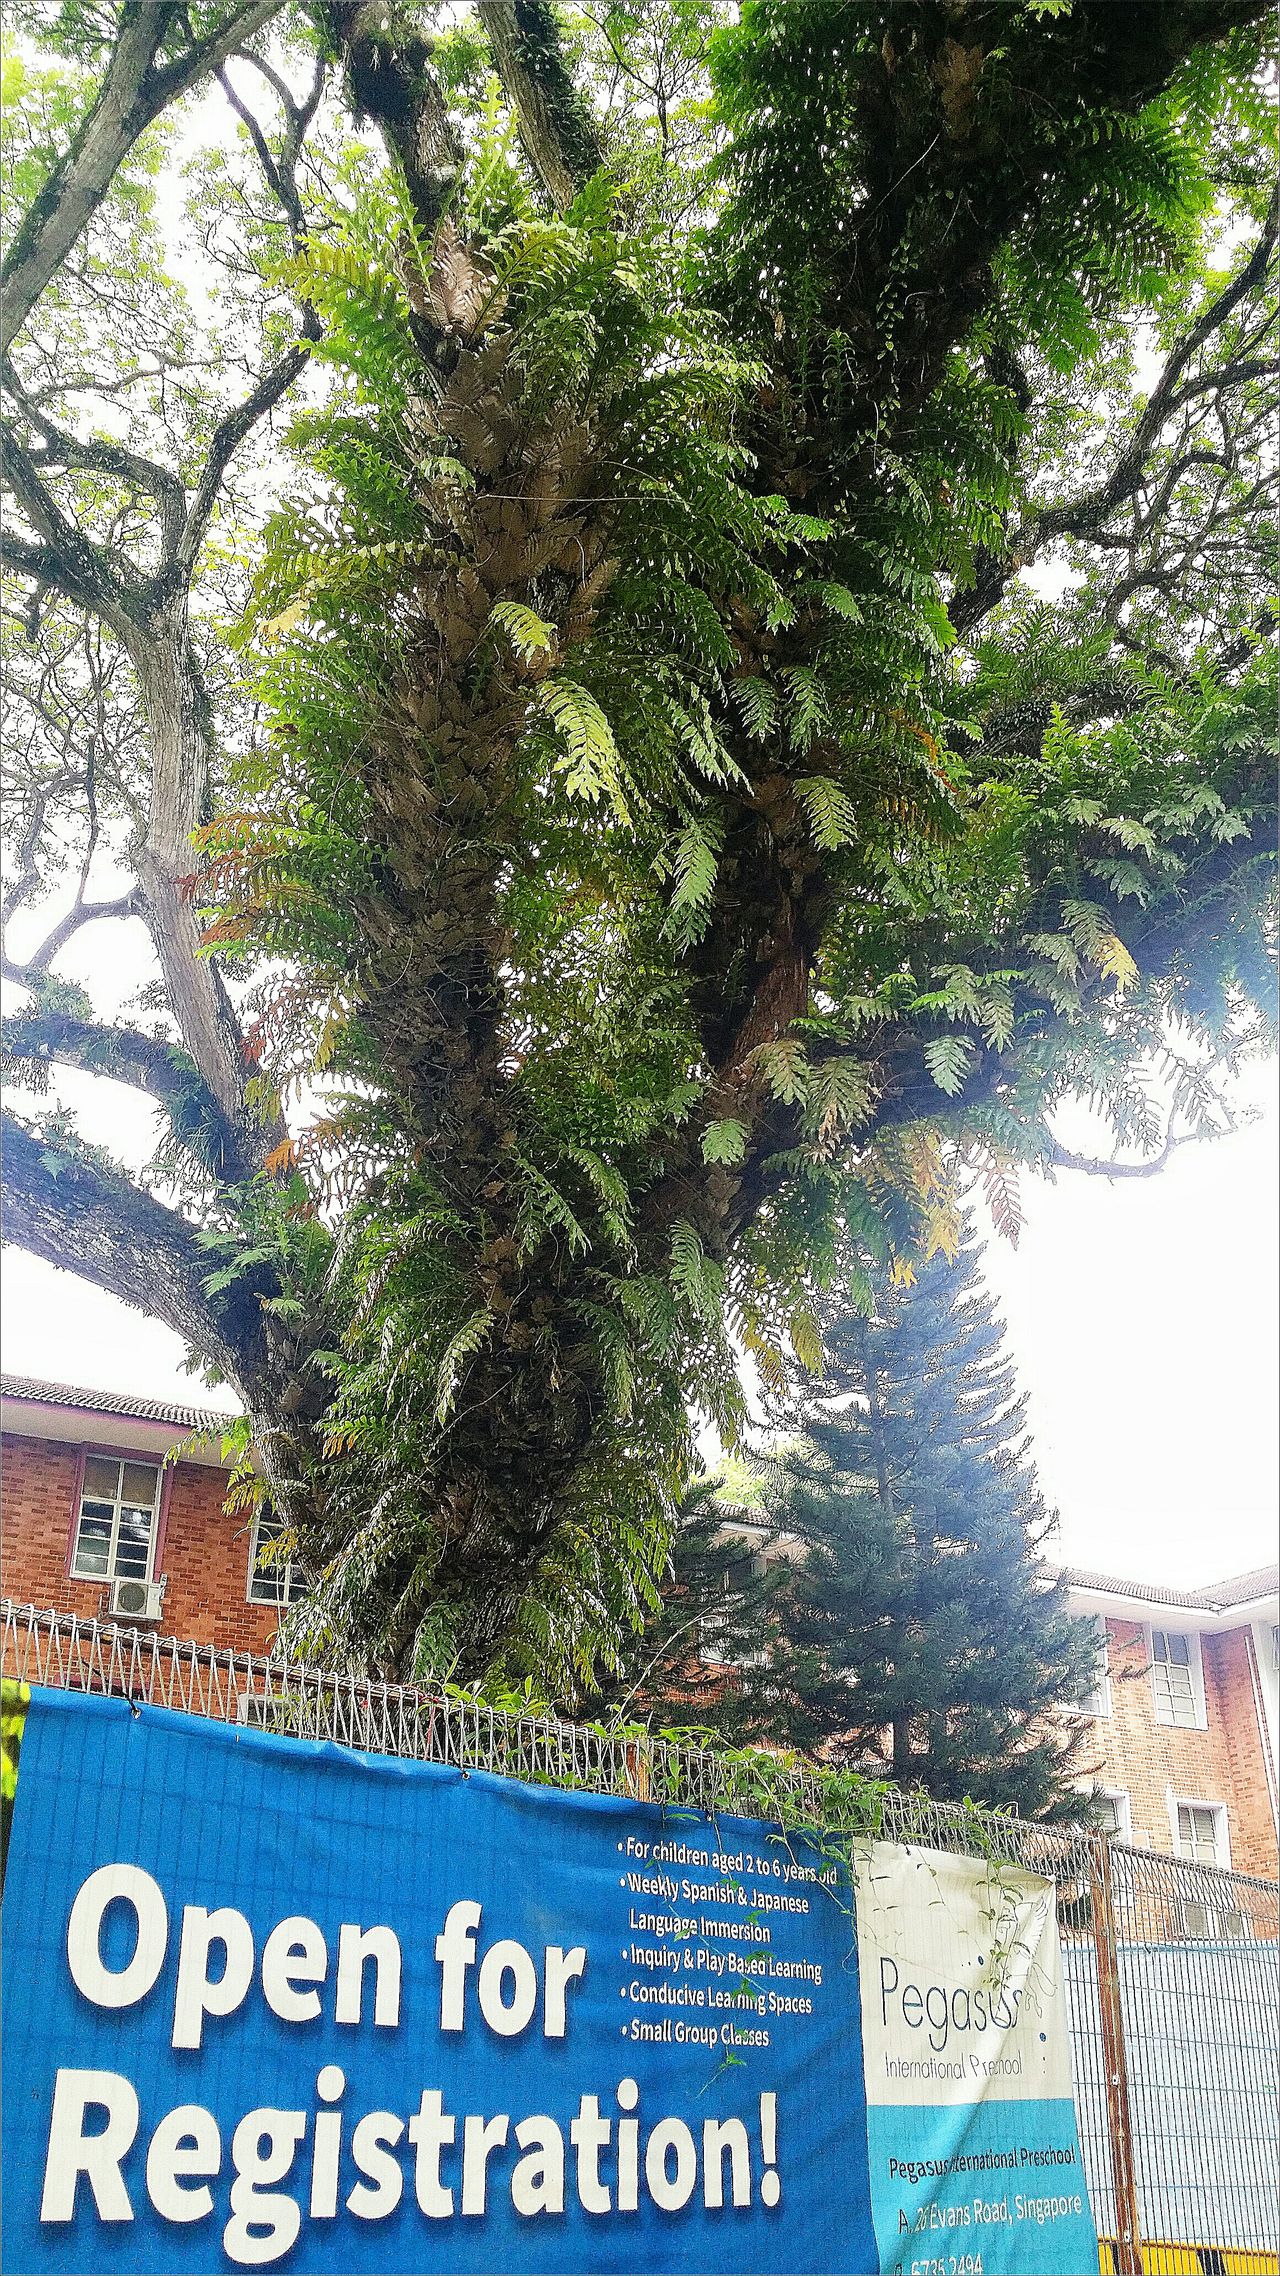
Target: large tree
[625, 821]
[881, 1601]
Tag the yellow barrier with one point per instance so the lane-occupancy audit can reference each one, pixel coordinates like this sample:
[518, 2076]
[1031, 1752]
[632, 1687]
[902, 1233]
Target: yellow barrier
[1162, 2259]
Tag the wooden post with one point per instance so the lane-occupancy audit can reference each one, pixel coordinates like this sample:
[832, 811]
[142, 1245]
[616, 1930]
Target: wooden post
[638, 1768]
[1124, 2175]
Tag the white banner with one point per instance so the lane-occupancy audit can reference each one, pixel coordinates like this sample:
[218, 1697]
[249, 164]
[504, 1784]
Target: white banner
[975, 2160]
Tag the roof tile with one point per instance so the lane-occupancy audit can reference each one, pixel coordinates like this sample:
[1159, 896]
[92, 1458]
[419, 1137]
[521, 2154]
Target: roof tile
[76, 1397]
[1219, 1596]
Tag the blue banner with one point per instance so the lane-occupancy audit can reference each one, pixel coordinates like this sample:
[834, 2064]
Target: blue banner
[279, 2004]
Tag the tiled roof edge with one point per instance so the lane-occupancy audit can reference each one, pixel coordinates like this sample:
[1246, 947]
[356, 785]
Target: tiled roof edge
[76, 1398]
[1219, 1596]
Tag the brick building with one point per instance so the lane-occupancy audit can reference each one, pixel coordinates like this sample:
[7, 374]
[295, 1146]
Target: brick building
[1183, 1721]
[1183, 1718]
[89, 1502]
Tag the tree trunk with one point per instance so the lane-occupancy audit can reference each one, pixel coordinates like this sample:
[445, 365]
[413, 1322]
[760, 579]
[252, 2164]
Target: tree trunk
[901, 1750]
[179, 719]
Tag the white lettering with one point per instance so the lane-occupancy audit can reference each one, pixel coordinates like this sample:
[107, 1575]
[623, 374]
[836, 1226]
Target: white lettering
[254, 2206]
[479, 2137]
[456, 1951]
[537, 2185]
[294, 1953]
[117, 1987]
[670, 2192]
[430, 2132]
[503, 1959]
[719, 2135]
[371, 2146]
[186, 2141]
[72, 2152]
[562, 1968]
[196, 1996]
[355, 1946]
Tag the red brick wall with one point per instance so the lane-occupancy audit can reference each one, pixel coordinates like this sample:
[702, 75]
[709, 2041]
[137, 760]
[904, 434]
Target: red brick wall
[205, 1559]
[1222, 1764]
[205, 1556]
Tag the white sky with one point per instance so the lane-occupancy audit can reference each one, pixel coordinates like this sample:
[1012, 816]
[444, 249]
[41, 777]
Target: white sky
[1143, 1316]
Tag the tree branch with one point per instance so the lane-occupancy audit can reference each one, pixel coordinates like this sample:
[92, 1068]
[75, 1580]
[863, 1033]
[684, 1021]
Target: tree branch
[135, 91]
[76, 1210]
[1085, 517]
[1061, 1158]
[281, 178]
[390, 82]
[230, 432]
[101, 457]
[283, 189]
[557, 131]
[1168, 396]
[45, 1037]
[66, 559]
[35, 968]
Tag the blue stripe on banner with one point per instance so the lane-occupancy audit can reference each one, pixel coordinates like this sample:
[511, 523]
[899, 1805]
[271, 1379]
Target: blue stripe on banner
[597, 2097]
[962, 2190]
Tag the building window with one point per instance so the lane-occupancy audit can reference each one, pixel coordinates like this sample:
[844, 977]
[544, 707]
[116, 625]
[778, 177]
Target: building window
[1096, 1699]
[1176, 1678]
[273, 1579]
[116, 1520]
[1201, 1833]
[715, 1648]
[1111, 1809]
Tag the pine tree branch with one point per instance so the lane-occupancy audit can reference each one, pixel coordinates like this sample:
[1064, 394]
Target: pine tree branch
[557, 131]
[134, 92]
[76, 1210]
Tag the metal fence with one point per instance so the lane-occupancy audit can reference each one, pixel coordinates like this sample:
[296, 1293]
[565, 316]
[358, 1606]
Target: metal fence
[1171, 1968]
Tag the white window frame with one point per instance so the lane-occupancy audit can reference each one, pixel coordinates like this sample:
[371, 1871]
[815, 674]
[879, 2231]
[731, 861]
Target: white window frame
[1221, 1827]
[1101, 1713]
[1195, 1669]
[288, 1595]
[122, 1463]
[265, 1710]
[1124, 1811]
[712, 1626]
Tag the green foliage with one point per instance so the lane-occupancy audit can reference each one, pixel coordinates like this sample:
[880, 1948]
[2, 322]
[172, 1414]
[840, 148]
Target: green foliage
[15, 1698]
[881, 1603]
[664, 842]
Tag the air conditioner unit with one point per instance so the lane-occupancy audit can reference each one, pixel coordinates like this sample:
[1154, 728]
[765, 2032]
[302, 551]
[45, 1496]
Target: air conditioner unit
[136, 1600]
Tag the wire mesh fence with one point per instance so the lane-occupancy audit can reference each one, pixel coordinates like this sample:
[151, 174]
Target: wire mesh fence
[1172, 1968]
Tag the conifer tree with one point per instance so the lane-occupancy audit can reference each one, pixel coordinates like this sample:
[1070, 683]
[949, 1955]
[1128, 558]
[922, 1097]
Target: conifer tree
[887, 1603]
